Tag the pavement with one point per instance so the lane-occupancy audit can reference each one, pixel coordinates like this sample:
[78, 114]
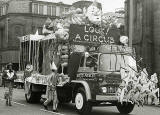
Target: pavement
[21, 107]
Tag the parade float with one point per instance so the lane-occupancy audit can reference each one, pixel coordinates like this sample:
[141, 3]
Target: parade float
[95, 64]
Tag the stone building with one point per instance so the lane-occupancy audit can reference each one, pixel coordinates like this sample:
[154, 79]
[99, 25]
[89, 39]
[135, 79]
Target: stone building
[143, 28]
[22, 17]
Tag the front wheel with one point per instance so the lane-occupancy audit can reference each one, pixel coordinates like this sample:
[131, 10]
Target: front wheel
[82, 105]
[125, 108]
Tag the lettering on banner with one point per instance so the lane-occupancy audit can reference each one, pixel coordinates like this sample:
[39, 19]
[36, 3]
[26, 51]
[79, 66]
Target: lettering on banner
[86, 76]
[88, 34]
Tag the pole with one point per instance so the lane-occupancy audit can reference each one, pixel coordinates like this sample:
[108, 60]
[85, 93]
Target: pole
[131, 18]
[29, 50]
[7, 24]
[20, 56]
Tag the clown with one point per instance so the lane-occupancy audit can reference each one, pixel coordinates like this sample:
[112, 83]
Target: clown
[61, 32]
[93, 13]
[46, 27]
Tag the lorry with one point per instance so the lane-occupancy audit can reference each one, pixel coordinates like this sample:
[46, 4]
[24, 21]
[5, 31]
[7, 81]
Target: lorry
[89, 68]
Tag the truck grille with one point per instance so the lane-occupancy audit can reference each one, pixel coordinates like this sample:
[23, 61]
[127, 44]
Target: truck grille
[109, 84]
[111, 89]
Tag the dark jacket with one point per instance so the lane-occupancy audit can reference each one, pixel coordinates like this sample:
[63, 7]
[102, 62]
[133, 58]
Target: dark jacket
[9, 77]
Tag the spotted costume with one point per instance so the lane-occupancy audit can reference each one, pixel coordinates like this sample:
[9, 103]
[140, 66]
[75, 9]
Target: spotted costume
[51, 88]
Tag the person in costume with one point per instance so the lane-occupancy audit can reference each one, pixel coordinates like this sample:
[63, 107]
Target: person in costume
[154, 89]
[28, 71]
[51, 88]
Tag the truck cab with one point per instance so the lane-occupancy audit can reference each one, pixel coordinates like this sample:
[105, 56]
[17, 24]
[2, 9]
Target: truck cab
[95, 78]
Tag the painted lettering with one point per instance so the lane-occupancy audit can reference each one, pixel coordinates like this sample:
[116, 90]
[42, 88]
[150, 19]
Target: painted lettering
[78, 37]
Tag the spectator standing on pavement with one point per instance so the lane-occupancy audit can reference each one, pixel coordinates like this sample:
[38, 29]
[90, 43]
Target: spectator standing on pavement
[9, 76]
[51, 88]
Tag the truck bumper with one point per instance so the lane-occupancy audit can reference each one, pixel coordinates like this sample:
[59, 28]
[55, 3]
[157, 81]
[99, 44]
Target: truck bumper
[106, 98]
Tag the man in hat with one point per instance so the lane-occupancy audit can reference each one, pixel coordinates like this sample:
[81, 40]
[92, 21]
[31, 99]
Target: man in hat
[51, 88]
[9, 77]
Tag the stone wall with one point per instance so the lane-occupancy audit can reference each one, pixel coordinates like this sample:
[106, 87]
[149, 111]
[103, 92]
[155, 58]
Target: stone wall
[142, 31]
[19, 6]
[156, 35]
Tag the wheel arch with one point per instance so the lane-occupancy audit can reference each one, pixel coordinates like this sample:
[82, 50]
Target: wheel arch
[83, 84]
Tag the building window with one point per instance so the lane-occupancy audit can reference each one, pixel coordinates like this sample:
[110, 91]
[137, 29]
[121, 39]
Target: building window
[18, 31]
[35, 8]
[61, 10]
[40, 30]
[2, 37]
[33, 29]
[41, 9]
[0, 11]
[58, 11]
[66, 10]
[53, 10]
[3, 10]
[49, 10]
[45, 8]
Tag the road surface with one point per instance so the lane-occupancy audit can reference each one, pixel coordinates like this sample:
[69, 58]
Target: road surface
[21, 107]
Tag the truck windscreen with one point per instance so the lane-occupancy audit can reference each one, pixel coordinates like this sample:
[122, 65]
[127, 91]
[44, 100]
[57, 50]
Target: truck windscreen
[113, 62]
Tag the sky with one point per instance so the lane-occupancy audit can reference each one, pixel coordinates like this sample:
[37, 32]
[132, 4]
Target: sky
[107, 5]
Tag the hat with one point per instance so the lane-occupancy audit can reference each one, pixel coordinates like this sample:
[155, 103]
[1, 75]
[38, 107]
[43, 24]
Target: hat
[9, 64]
[53, 66]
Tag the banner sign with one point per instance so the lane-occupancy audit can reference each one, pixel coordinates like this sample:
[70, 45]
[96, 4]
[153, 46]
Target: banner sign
[116, 49]
[85, 34]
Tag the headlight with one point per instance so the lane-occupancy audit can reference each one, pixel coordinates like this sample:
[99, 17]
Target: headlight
[104, 89]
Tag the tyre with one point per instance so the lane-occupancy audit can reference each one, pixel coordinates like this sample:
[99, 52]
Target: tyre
[32, 97]
[82, 105]
[29, 96]
[125, 108]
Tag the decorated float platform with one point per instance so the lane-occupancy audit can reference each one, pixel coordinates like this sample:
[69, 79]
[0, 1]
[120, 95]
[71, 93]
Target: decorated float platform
[86, 28]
